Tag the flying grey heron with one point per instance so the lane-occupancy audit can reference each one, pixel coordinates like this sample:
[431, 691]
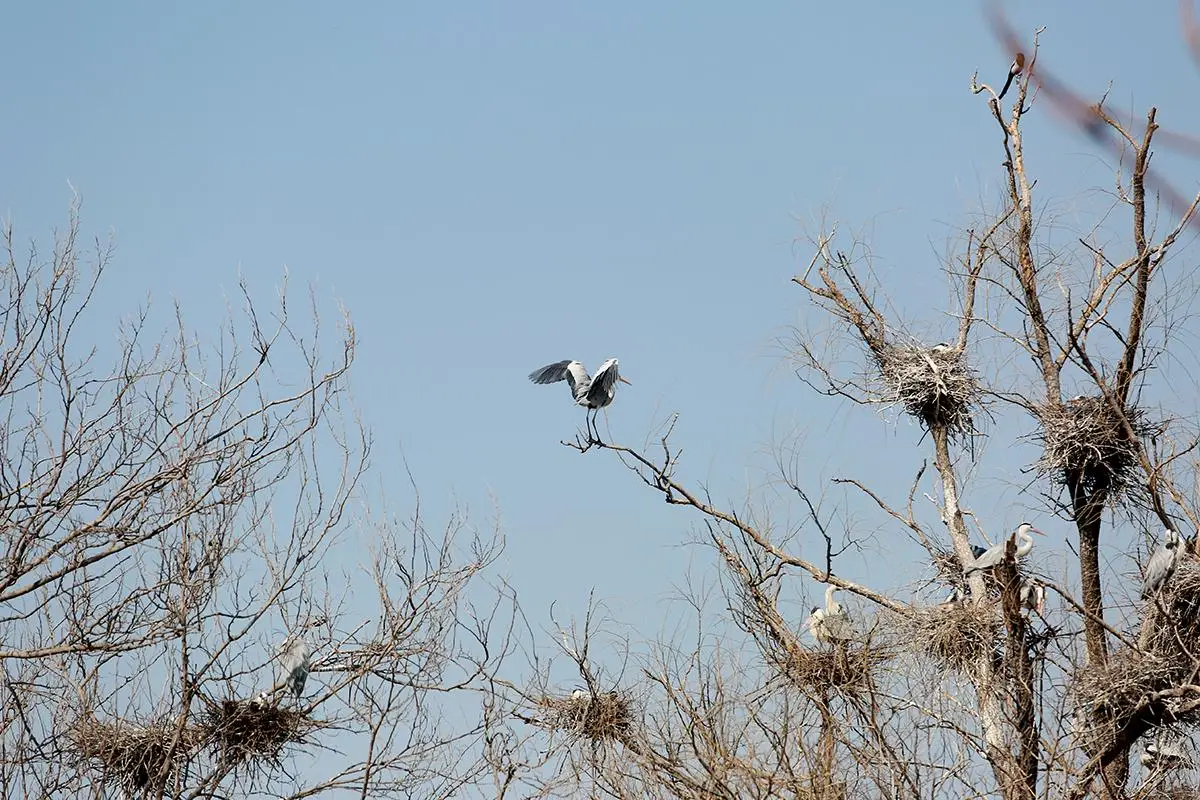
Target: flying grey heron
[1162, 563]
[830, 625]
[593, 392]
[995, 554]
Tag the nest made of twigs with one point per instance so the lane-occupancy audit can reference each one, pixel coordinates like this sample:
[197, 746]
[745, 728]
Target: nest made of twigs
[933, 384]
[605, 716]
[245, 730]
[1086, 443]
[956, 635]
[1108, 698]
[847, 668]
[138, 758]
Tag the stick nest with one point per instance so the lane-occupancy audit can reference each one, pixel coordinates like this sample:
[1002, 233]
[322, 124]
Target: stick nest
[138, 758]
[957, 635]
[846, 668]
[935, 385]
[1110, 698]
[606, 716]
[1085, 442]
[247, 730]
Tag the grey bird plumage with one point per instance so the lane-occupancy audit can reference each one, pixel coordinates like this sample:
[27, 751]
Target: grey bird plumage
[995, 554]
[1162, 563]
[593, 392]
[297, 663]
[831, 625]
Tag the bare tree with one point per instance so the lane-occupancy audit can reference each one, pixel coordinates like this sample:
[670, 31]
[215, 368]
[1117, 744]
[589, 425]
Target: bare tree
[991, 692]
[173, 509]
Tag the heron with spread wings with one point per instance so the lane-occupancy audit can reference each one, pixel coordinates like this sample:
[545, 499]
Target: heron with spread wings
[593, 392]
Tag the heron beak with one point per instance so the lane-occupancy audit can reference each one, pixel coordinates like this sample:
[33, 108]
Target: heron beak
[621, 378]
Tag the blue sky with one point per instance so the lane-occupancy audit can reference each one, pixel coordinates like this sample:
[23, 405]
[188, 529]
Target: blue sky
[491, 187]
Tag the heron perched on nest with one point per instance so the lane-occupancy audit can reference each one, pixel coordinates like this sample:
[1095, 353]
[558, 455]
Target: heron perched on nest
[296, 659]
[831, 625]
[995, 554]
[1162, 563]
[593, 392]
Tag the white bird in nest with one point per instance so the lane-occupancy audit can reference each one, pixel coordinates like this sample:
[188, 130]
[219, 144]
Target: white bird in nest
[1162, 563]
[830, 625]
[593, 392]
[995, 554]
[261, 700]
[578, 694]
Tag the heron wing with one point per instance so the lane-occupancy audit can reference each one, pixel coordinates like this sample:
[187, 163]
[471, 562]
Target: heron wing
[990, 558]
[1158, 569]
[551, 373]
[839, 627]
[604, 384]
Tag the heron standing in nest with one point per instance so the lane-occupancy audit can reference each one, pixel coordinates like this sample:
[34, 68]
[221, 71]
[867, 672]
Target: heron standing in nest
[296, 659]
[995, 554]
[1162, 563]
[831, 625]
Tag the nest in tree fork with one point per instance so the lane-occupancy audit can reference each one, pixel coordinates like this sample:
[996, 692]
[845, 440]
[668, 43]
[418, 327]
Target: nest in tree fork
[847, 668]
[249, 730]
[606, 716]
[1086, 443]
[137, 758]
[1110, 698]
[934, 384]
[957, 635]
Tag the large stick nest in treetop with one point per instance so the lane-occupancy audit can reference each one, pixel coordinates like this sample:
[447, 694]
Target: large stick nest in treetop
[137, 758]
[1086, 443]
[934, 384]
[957, 635]
[608, 715]
[1112, 696]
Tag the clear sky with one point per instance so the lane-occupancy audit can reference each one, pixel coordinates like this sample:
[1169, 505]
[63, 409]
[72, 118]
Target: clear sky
[490, 187]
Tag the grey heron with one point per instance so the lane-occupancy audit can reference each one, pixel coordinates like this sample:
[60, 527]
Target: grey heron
[830, 625]
[1033, 595]
[995, 554]
[593, 392]
[1162, 563]
[296, 659]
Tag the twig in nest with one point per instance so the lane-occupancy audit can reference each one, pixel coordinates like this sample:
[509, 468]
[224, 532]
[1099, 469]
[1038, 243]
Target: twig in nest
[846, 668]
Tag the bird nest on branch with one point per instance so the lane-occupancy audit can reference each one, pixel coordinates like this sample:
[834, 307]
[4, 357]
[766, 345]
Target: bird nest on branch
[606, 716]
[250, 730]
[1112, 696]
[847, 668]
[139, 758]
[950, 572]
[956, 634]
[933, 384]
[1086, 443]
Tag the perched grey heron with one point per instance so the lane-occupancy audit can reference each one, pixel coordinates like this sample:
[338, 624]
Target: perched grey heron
[995, 554]
[296, 659]
[830, 625]
[593, 392]
[1033, 595]
[1162, 563]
